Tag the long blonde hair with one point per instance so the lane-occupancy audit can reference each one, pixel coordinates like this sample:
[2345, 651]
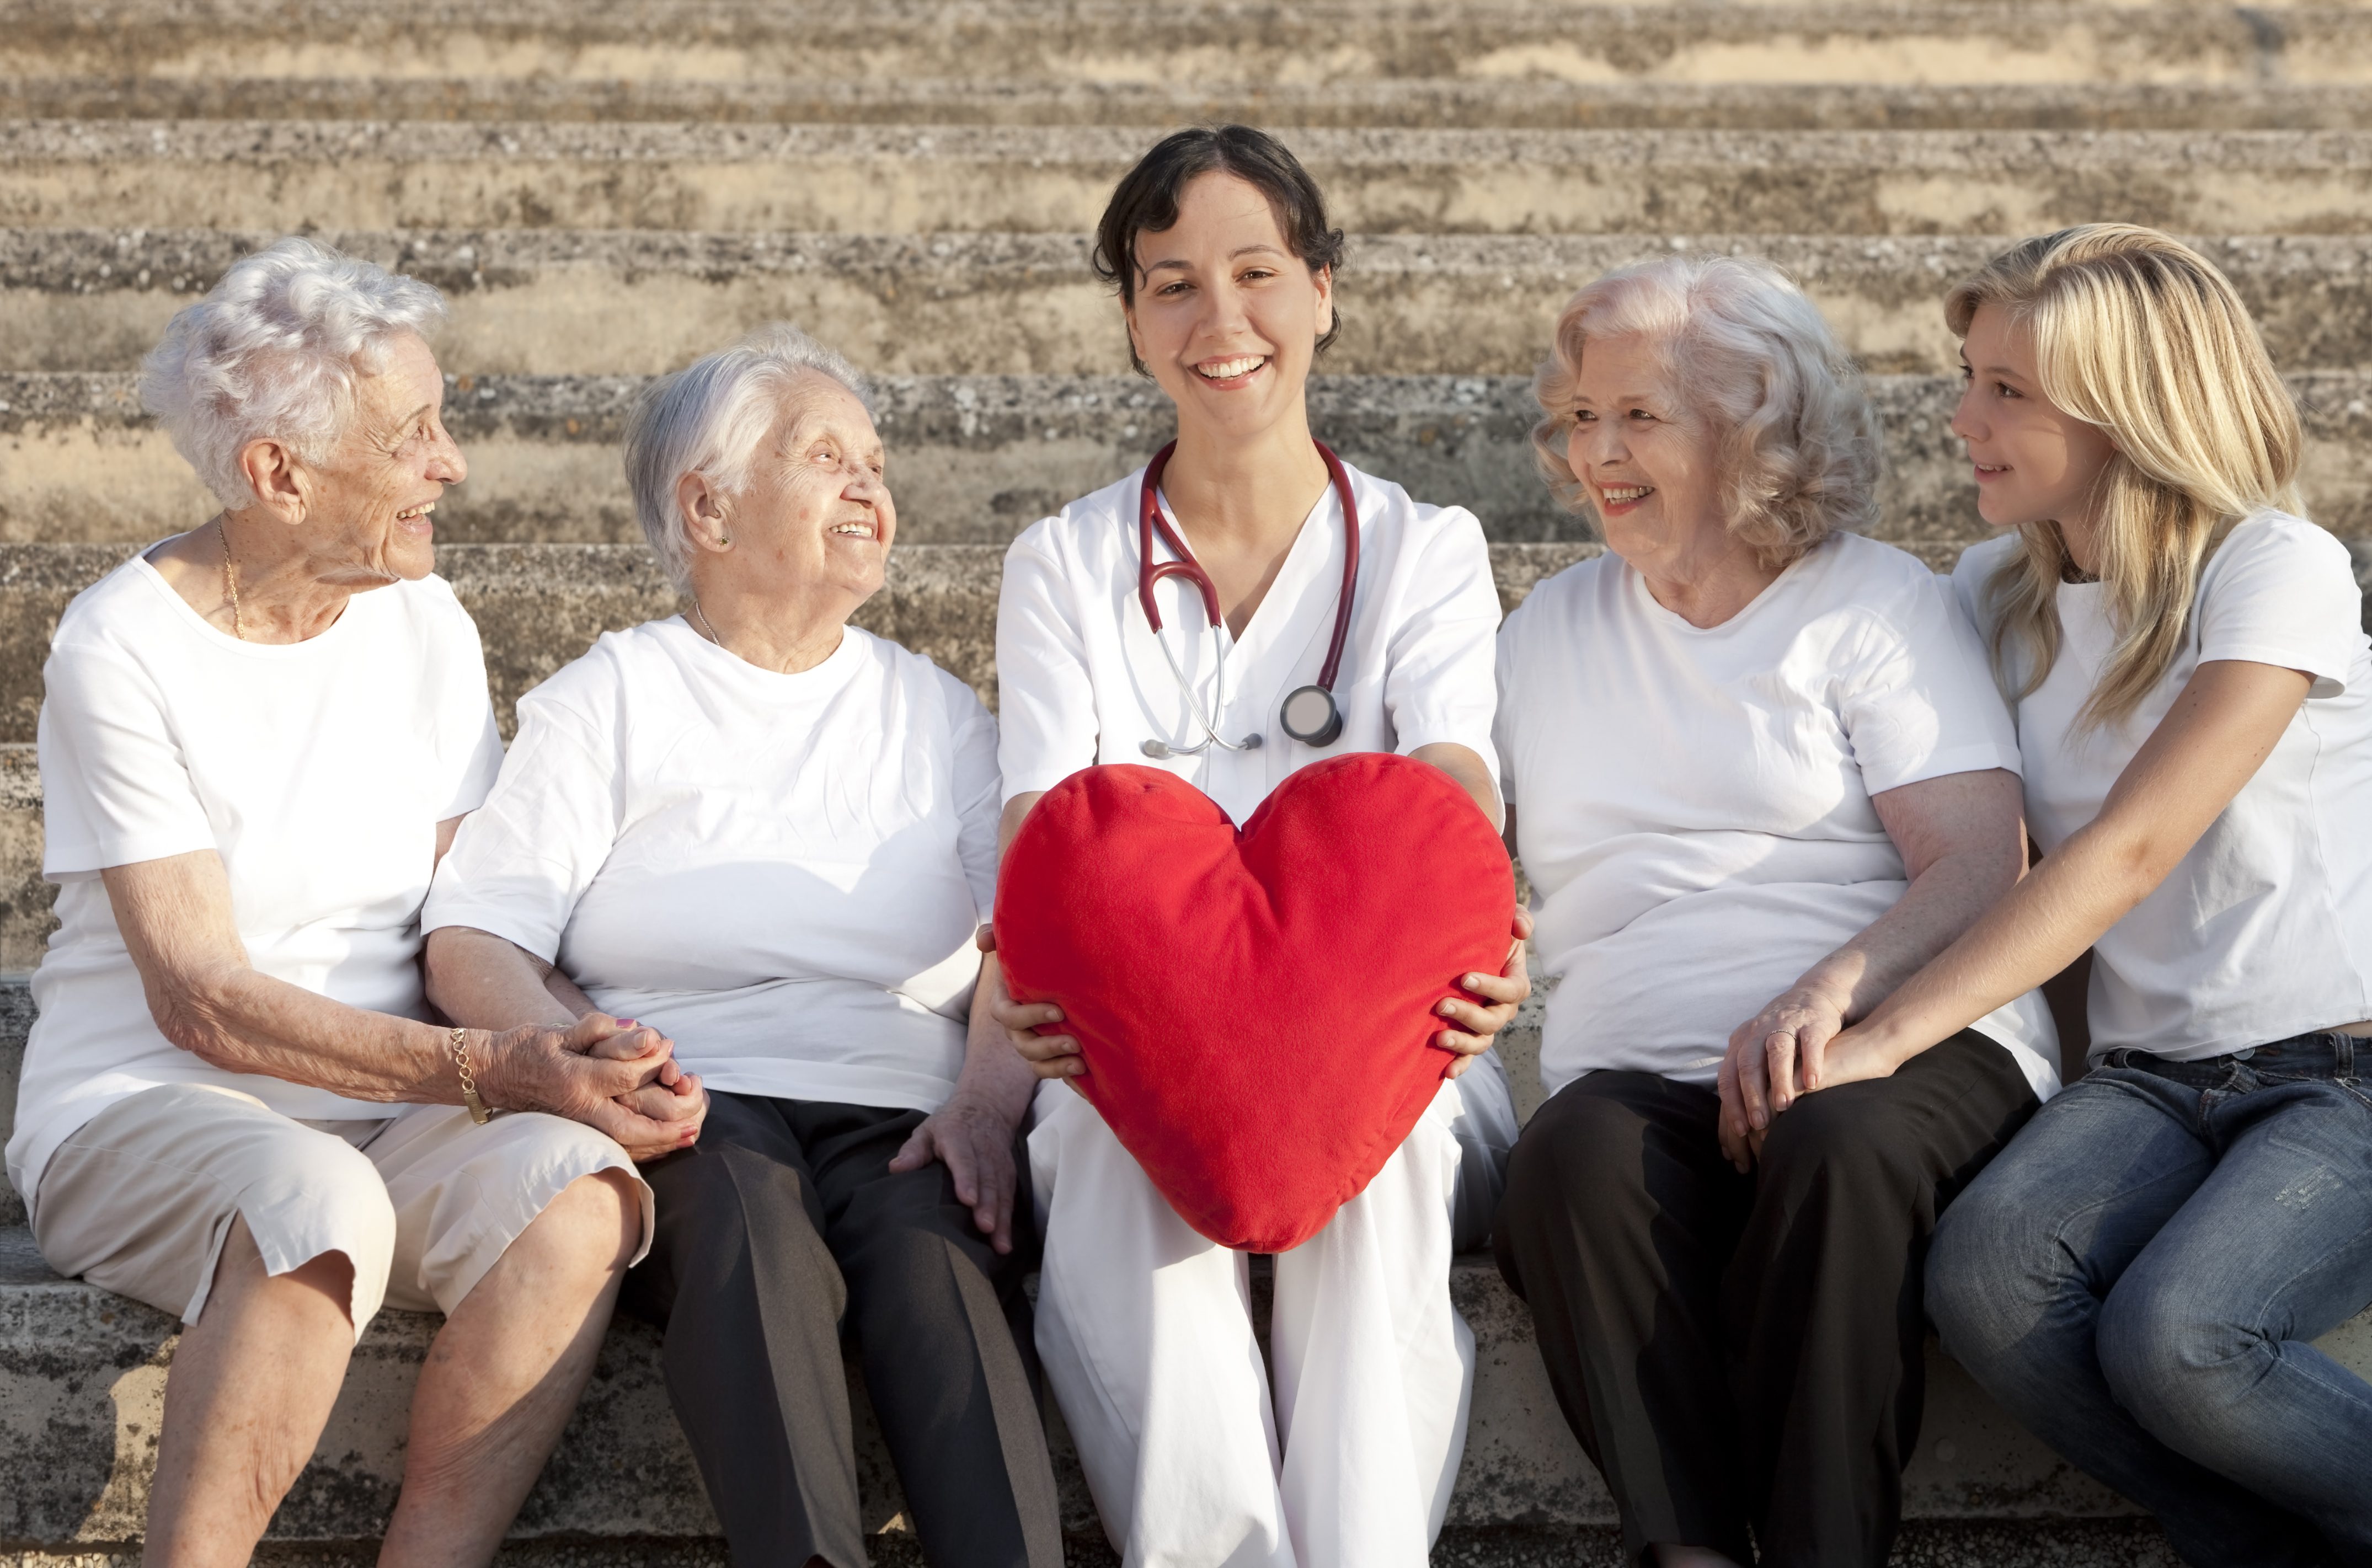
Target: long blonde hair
[2138, 334]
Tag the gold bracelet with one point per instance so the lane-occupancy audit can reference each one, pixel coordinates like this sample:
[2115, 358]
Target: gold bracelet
[478, 1111]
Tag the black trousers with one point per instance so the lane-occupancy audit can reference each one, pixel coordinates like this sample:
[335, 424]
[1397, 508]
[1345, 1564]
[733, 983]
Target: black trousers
[1742, 1351]
[782, 1230]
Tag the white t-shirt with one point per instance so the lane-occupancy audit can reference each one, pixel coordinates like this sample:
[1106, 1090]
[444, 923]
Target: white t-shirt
[1693, 804]
[1082, 682]
[2264, 929]
[781, 872]
[317, 770]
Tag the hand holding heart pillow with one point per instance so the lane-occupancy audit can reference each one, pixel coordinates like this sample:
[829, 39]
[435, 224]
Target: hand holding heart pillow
[1255, 1008]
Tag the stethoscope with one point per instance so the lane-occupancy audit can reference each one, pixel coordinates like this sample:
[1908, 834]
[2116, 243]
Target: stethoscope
[1310, 713]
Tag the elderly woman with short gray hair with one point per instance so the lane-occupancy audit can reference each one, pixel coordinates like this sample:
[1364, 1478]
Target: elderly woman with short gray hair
[257, 738]
[771, 835]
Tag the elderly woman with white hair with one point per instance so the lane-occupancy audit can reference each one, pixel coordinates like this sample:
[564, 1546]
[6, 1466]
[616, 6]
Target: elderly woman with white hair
[1759, 775]
[771, 835]
[257, 738]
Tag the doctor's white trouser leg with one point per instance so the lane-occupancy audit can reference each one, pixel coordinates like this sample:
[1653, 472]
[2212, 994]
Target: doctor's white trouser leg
[1145, 1330]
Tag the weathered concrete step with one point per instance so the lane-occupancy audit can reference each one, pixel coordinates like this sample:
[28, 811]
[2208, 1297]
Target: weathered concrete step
[977, 458]
[2120, 1542]
[1451, 103]
[561, 302]
[83, 1373]
[894, 179]
[973, 459]
[1128, 40]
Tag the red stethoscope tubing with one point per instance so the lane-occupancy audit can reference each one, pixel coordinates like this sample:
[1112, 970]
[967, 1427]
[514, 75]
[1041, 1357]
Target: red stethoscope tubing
[1150, 518]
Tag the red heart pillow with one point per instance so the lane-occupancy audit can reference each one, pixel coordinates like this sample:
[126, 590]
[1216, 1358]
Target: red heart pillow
[1255, 1008]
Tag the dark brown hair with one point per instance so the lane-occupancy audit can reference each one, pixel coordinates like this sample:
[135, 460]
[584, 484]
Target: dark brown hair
[1147, 201]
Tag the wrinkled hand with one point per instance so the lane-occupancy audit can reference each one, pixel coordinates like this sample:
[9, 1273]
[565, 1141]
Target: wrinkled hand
[674, 1099]
[1774, 1059]
[1505, 991]
[974, 1140]
[1050, 1056]
[558, 1072]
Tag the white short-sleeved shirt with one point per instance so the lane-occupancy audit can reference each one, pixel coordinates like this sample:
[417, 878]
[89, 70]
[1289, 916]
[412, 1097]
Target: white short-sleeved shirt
[1693, 803]
[1082, 680]
[781, 872]
[318, 770]
[2264, 929]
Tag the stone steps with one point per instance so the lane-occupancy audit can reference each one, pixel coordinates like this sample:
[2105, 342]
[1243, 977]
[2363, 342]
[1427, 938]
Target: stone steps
[678, 177]
[974, 460]
[1125, 41]
[563, 302]
[1451, 103]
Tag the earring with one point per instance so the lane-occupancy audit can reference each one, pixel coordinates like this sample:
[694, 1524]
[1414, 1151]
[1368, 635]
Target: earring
[725, 542]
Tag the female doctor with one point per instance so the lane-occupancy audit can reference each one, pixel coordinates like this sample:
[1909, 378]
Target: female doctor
[1296, 650]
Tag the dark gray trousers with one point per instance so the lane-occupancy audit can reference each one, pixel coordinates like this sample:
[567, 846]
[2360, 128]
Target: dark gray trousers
[784, 1229]
[1748, 1350]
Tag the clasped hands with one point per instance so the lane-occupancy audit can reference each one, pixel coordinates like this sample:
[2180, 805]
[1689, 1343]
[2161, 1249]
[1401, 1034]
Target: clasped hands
[614, 1075]
[1801, 1042]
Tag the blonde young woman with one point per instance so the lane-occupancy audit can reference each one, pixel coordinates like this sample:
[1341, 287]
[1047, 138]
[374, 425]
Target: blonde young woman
[2138, 1277]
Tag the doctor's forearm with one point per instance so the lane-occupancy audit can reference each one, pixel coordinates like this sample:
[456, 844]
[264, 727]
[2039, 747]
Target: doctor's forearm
[1008, 824]
[1461, 763]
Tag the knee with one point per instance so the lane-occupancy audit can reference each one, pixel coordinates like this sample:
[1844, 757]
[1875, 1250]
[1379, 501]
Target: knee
[1830, 1137]
[2174, 1358]
[595, 1222]
[1996, 1264]
[1579, 1148]
[348, 1188]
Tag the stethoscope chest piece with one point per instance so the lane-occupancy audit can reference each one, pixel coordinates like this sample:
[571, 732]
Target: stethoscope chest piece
[1311, 716]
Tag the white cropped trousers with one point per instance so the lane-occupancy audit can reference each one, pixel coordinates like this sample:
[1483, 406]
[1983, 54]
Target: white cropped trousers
[1145, 1330]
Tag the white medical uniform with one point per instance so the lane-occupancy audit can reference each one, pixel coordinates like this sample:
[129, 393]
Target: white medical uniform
[1145, 1327]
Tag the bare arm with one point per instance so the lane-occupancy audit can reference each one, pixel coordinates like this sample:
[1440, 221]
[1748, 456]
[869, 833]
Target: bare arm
[484, 980]
[475, 977]
[1009, 823]
[974, 1131]
[2223, 725]
[175, 914]
[1962, 838]
[1461, 763]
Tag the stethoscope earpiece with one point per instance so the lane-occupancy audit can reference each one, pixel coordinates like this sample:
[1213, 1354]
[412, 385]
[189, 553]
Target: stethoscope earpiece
[1310, 715]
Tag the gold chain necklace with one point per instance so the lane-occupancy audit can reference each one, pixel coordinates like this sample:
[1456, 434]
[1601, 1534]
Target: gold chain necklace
[706, 625]
[230, 579]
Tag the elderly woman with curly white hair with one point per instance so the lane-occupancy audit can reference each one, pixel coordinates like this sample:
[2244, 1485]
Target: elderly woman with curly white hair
[773, 834]
[257, 739]
[1759, 775]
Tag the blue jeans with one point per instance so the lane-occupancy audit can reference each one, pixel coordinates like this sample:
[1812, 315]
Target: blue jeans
[2136, 1278]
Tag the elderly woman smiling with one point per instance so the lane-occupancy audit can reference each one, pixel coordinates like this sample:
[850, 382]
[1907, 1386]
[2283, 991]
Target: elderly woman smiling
[771, 835]
[256, 741]
[1759, 775]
